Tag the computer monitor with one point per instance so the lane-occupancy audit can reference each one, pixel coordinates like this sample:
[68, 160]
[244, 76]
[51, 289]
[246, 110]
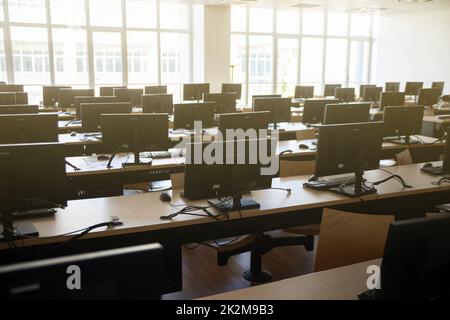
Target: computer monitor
[392, 99]
[7, 98]
[372, 94]
[304, 92]
[225, 102]
[186, 114]
[392, 87]
[28, 128]
[32, 176]
[194, 91]
[236, 171]
[349, 148]
[90, 100]
[412, 88]
[91, 112]
[347, 113]
[155, 90]
[12, 88]
[134, 96]
[233, 88]
[429, 97]
[50, 94]
[438, 85]
[279, 108]
[157, 103]
[416, 262]
[403, 122]
[66, 97]
[135, 133]
[21, 97]
[19, 109]
[260, 96]
[445, 168]
[330, 89]
[109, 91]
[314, 110]
[345, 94]
[363, 87]
[126, 273]
[244, 121]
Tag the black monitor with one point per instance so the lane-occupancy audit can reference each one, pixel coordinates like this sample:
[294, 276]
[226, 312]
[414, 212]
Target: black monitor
[19, 109]
[50, 94]
[186, 114]
[314, 110]
[392, 99]
[260, 96]
[7, 98]
[345, 94]
[429, 97]
[363, 87]
[237, 169]
[392, 87]
[279, 108]
[126, 273]
[135, 133]
[233, 88]
[347, 113]
[155, 90]
[225, 102]
[11, 88]
[32, 176]
[304, 92]
[439, 85]
[109, 91]
[66, 97]
[416, 263]
[244, 121]
[28, 128]
[372, 94]
[133, 96]
[21, 97]
[80, 100]
[445, 168]
[412, 88]
[91, 112]
[349, 148]
[157, 103]
[194, 91]
[403, 122]
[330, 89]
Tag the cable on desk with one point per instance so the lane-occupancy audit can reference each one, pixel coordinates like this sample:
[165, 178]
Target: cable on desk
[74, 167]
[396, 177]
[442, 180]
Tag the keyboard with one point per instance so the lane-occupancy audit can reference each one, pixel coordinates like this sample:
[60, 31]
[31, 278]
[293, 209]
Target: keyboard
[331, 183]
[160, 155]
[33, 214]
[447, 117]
[371, 295]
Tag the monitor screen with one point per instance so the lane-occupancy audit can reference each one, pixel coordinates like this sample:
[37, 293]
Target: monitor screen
[66, 97]
[392, 99]
[347, 113]
[187, 113]
[429, 97]
[392, 87]
[157, 103]
[80, 100]
[330, 89]
[363, 87]
[412, 88]
[19, 109]
[345, 94]
[244, 121]
[279, 108]
[109, 91]
[7, 98]
[372, 94]
[155, 90]
[403, 121]
[304, 92]
[134, 96]
[233, 88]
[225, 102]
[314, 110]
[337, 146]
[28, 128]
[194, 91]
[91, 112]
[50, 94]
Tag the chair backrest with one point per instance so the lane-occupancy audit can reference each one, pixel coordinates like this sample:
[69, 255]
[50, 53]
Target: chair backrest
[306, 134]
[177, 180]
[404, 158]
[348, 238]
[296, 168]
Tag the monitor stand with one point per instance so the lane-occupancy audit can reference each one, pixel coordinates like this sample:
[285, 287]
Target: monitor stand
[137, 161]
[26, 229]
[237, 204]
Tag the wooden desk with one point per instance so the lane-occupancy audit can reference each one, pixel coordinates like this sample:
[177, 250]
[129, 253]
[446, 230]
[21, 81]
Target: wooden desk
[344, 283]
[433, 126]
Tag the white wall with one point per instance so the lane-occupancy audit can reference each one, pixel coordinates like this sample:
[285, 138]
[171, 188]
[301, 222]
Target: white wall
[217, 46]
[414, 47]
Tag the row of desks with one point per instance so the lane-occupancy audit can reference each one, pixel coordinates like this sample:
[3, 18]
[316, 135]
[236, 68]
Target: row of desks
[142, 224]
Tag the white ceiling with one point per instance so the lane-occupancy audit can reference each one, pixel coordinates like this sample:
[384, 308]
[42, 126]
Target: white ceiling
[386, 6]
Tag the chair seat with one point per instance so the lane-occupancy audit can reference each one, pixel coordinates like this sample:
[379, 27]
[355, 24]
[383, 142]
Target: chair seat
[312, 230]
[444, 207]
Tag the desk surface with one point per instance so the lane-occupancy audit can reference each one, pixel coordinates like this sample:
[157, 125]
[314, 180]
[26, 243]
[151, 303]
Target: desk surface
[141, 213]
[436, 119]
[344, 283]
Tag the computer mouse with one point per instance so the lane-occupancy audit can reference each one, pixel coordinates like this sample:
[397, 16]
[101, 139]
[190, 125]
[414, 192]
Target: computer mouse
[102, 157]
[303, 146]
[73, 134]
[428, 165]
[165, 197]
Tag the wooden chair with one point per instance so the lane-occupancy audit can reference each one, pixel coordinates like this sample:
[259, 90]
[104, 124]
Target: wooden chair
[404, 158]
[349, 238]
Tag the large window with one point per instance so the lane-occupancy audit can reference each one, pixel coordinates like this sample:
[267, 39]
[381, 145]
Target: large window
[274, 50]
[88, 43]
